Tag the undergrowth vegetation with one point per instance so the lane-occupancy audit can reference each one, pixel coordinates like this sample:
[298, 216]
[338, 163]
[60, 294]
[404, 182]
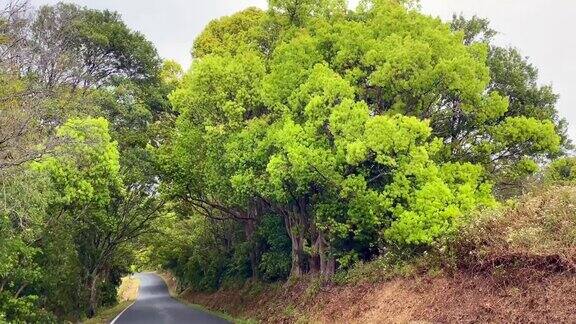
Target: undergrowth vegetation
[538, 230]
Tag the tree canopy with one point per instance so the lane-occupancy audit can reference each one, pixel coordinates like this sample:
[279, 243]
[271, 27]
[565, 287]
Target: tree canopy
[79, 94]
[364, 130]
[302, 139]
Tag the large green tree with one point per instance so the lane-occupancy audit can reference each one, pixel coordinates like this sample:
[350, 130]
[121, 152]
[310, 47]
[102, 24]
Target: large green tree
[83, 47]
[100, 213]
[363, 130]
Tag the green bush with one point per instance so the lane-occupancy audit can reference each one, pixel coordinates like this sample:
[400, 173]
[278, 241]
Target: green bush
[562, 170]
[275, 261]
[381, 269]
[23, 310]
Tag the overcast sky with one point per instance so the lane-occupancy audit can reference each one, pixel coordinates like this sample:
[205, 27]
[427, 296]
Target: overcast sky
[541, 29]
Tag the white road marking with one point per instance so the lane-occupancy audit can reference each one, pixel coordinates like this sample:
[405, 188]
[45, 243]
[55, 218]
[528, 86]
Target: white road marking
[122, 312]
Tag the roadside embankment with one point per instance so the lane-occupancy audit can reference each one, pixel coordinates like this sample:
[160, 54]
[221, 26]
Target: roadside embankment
[514, 264]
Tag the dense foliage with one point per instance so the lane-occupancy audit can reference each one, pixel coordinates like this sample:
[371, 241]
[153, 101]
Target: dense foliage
[78, 94]
[302, 140]
[363, 132]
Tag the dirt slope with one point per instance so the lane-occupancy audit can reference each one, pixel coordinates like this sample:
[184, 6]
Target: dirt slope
[459, 298]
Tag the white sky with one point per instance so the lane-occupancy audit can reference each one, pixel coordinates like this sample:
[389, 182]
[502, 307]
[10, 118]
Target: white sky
[541, 29]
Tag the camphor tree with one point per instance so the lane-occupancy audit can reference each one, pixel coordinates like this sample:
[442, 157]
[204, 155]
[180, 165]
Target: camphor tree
[86, 177]
[46, 56]
[364, 130]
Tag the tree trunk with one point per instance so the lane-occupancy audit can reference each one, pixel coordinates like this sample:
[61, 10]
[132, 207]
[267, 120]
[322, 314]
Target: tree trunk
[327, 262]
[249, 230]
[295, 229]
[316, 257]
[297, 269]
[93, 302]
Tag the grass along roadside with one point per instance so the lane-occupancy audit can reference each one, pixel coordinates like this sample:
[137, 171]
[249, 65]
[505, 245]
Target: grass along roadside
[175, 290]
[127, 294]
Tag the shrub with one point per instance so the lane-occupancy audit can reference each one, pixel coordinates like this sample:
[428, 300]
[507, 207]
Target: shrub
[275, 261]
[537, 231]
[381, 269]
[561, 170]
[23, 310]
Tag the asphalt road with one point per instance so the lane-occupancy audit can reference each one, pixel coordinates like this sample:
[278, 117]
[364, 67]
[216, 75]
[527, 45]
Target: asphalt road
[155, 305]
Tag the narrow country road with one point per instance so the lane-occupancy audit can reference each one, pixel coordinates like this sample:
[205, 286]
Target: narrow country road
[155, 305]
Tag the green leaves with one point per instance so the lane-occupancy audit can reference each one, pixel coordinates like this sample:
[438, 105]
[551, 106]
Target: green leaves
[290, 67]
[561, 171]
[82, 47]
[364, 130]
[431, 215]
[410, 199]
[233, 35]
[299, 12]
[528, 134]
[395, 136]
[86, 169]
[221, 90]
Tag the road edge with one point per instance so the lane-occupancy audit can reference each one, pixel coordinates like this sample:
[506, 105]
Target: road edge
[122, 312]
[182, 300]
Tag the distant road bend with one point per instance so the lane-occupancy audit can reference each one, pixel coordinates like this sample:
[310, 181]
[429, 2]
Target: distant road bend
[155, 305]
